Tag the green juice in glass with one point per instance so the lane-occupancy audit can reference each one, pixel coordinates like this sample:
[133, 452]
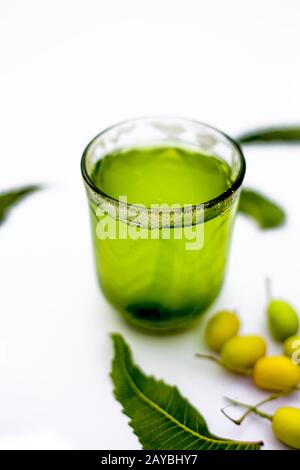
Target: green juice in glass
[151, 277]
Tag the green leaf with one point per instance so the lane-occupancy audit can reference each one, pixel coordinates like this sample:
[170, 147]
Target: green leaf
[10, 198]
[160, 417]
[264, 211]
[271, 135]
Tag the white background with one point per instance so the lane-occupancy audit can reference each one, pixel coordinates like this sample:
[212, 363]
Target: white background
[68, 69]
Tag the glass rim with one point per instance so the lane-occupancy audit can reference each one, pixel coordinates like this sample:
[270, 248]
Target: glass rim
[210, 204]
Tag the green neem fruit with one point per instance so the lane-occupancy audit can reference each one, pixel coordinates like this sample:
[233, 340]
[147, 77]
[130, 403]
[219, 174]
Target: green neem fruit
[220, 328]
[283, 320]
[286, 426]
[240, 353]
[291, 348]
[276, 374]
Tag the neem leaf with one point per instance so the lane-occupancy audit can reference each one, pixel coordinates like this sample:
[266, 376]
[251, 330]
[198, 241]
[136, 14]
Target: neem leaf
[265, 212]
[271, 135]
[10, 198]
[160, 417]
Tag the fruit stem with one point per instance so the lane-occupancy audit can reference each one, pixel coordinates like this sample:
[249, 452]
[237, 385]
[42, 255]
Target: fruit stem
[210, 357]
[251, 408]
[268, 288]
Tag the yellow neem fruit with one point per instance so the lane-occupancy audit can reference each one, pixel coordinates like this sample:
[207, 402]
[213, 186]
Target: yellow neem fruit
[220, 328]
[240, 353]
[291, 347]
[276, 373]
[286, 426]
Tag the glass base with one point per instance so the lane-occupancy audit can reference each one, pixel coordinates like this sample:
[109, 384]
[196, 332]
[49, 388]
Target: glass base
[153, 318]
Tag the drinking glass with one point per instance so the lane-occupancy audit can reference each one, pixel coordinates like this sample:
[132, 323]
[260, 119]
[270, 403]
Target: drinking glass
[161, 268]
